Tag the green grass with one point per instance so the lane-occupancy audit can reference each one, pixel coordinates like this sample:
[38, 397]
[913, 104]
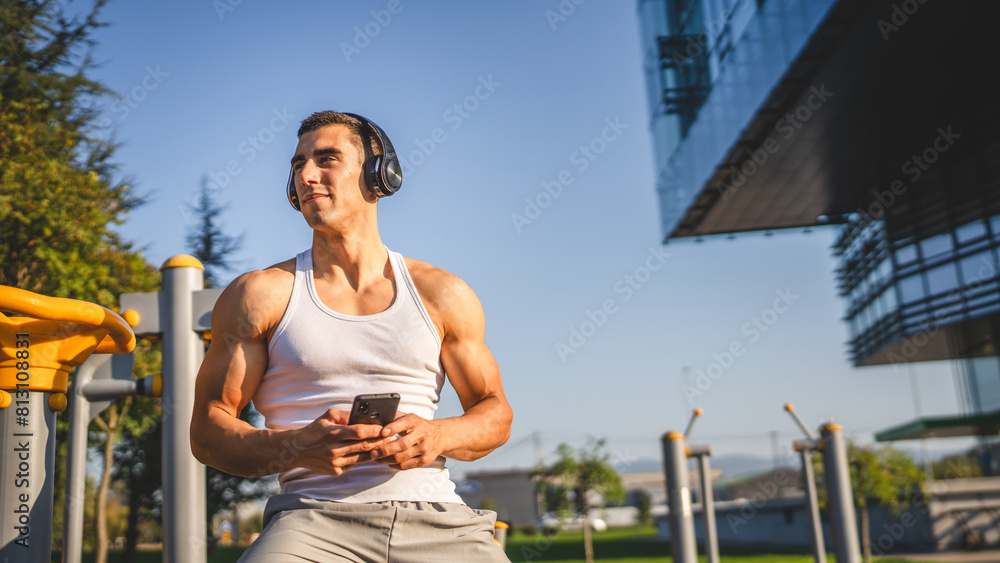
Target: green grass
[628, 545]
[617, 545]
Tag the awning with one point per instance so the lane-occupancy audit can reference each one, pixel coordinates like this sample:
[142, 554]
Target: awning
[943, 427]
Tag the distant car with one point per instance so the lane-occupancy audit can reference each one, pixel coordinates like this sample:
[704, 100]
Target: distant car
[550, 522]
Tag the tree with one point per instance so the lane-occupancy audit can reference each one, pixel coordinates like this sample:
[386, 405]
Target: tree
[206, 241]
[586, 471]
[59, 196]
[886, 476]
[59, 200]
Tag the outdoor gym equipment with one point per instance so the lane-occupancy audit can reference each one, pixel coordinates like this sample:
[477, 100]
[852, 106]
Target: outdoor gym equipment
[840, 498]
[37, 352]
[680, 517]
[60, 335]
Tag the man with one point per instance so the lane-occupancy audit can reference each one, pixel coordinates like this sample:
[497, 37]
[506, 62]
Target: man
[347, 317]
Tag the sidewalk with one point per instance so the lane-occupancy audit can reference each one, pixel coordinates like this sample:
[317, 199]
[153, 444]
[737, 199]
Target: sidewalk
[986, 556]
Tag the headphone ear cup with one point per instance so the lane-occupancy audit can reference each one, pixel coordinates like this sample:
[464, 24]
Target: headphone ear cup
[372, 176]
[293, 196]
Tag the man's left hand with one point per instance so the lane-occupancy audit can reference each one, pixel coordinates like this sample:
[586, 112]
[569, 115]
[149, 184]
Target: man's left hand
[418, 445]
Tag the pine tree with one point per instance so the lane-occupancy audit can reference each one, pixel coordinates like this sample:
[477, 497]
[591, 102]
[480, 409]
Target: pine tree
[207, 242]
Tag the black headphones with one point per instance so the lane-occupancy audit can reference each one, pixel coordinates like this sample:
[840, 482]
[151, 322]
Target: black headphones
[383, 176]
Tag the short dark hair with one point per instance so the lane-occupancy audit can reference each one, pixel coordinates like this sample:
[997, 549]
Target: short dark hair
[362, 140]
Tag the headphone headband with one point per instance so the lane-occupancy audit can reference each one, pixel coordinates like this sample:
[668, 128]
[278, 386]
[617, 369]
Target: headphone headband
[382, 173]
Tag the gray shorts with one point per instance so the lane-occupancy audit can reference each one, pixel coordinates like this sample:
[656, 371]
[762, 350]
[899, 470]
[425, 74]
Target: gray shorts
[298, 528]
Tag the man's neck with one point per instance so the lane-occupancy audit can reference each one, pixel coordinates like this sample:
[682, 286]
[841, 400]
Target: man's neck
[358, 256]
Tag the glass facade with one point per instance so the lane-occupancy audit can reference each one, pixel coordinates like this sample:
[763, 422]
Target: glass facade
[921, 283]
[709, 65]
[911, 132]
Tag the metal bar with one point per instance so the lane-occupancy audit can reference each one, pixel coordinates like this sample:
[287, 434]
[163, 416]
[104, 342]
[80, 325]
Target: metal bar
[682, 538]
[76, 465]
[694, 415]
[795, 417]
[184, 526]
[812, 505]
[708, 510]
[840, 497]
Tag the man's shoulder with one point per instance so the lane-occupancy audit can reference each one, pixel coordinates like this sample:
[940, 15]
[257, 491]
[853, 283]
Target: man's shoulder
[256, 282]
[260, 296]
[440, 288]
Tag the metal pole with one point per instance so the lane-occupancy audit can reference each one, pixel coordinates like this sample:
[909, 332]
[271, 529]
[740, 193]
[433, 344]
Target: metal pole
[184, 523]
[682, 538]
[28, 443]
[708, 508]
[812, 503]
[76, 465]
[839, 495]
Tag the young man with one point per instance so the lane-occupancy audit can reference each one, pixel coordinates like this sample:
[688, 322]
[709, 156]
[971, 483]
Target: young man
[350, 317]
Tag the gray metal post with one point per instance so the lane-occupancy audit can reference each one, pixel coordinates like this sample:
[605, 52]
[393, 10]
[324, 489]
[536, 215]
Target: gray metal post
[183, 477]
[76, 470]
[28, 443]
[707, 504]
[839, 495]
[682, 538]
[812, 503]
[84, 405]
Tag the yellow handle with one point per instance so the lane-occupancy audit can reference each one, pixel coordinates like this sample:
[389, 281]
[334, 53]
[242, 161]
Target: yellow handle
[70, 310]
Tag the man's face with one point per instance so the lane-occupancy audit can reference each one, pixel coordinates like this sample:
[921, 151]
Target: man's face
[327, 176]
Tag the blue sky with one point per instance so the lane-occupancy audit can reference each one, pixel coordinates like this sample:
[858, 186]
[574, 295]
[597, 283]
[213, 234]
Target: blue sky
[489, 103]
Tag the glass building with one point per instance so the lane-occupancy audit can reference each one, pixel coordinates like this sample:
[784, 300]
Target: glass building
[877, 117]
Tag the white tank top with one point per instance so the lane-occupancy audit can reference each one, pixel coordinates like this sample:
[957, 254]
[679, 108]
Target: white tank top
[319, 358]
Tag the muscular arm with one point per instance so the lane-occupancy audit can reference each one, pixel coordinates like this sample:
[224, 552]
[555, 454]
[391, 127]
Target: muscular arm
[472, 371]
[233, 367]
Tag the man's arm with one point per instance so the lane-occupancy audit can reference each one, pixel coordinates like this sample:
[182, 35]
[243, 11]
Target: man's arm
[472, 371]
[246, 312]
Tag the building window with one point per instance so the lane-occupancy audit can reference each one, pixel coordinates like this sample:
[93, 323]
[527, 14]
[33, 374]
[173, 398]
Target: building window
[942, 279]
[995, 226]
[906, 254]
[970, 231]
[936, 245]
[978, 268]
[889, 295]
[911, 288]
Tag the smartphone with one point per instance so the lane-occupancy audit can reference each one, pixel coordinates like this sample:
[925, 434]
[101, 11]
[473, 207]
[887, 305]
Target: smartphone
[374, 409]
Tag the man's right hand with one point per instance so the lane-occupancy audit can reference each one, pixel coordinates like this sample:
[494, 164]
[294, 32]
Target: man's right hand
[329, 446]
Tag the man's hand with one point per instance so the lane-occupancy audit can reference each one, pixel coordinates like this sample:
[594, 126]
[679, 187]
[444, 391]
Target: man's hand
[329, 447]
[419, 443]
